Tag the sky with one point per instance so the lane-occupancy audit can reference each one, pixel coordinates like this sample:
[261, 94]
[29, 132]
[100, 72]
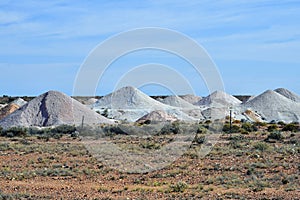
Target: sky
[255, 44]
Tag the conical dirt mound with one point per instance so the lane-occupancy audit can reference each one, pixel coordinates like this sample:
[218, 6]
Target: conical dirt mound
[274, 106]
[50, 109]
[288, 94]
[177, 101]
[130, 104]
[192, 99]
[219, 99]
[128, 98]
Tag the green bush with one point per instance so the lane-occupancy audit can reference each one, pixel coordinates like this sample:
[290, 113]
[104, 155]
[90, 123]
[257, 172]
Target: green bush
[260, 124]
[272, 127]
[179, 187]
[234, 128]
[249, 127]
[113, 130]
[199, 139]
[291, 127]
[281, 123]
[276, 135]
[15, 132]
[261, 146]
[172, 128]
[64, 129]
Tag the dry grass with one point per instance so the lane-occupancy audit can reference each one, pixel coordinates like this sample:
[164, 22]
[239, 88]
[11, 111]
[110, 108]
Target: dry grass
[239, 167]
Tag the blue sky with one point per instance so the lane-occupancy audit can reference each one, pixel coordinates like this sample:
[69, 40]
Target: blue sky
[255, 44]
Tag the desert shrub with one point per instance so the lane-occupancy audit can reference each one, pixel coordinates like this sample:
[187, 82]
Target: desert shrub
[64, 129]
[150, 145]
[15, 132]
[291, 127]
[244, 132]
[276, 135]
[170, 128]
[199, 139]
[260, 123]
[179, 187]
[234, 128]
[249, 127]
[281, 123]
[201, 130]
[261, 146]
[105, 113]
[272, 127]
[207, 122]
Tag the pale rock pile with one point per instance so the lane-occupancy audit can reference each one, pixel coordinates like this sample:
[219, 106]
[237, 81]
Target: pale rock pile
[130, 104]
[288, 94]
[157, 116]
[219, 99]
[50, 109]
[90, 101]
[177, 101]
[20, 102]
[192, 99]
[8, 109]
[271, 105]
[11, 107]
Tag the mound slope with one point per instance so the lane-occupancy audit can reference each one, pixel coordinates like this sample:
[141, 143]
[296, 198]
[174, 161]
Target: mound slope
[50, 109]
[192, 99]
[177, 101]
[274, 106]
[288, 94]
[219, 99]
[128, 98]
[130, 104]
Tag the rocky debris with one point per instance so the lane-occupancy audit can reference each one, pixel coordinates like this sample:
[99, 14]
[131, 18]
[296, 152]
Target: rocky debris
[157, 116]
[20, 102]
[8, 109]
[50, 109]
[252, 116]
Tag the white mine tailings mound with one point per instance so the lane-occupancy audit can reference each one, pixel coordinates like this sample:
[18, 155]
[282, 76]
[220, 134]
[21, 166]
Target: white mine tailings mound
[288, 94]
[129, 103]
[219, 99]
[128, 98]
[177, 101]
[192, 99]
[157, 116]
[274, 106]
[50, 109]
